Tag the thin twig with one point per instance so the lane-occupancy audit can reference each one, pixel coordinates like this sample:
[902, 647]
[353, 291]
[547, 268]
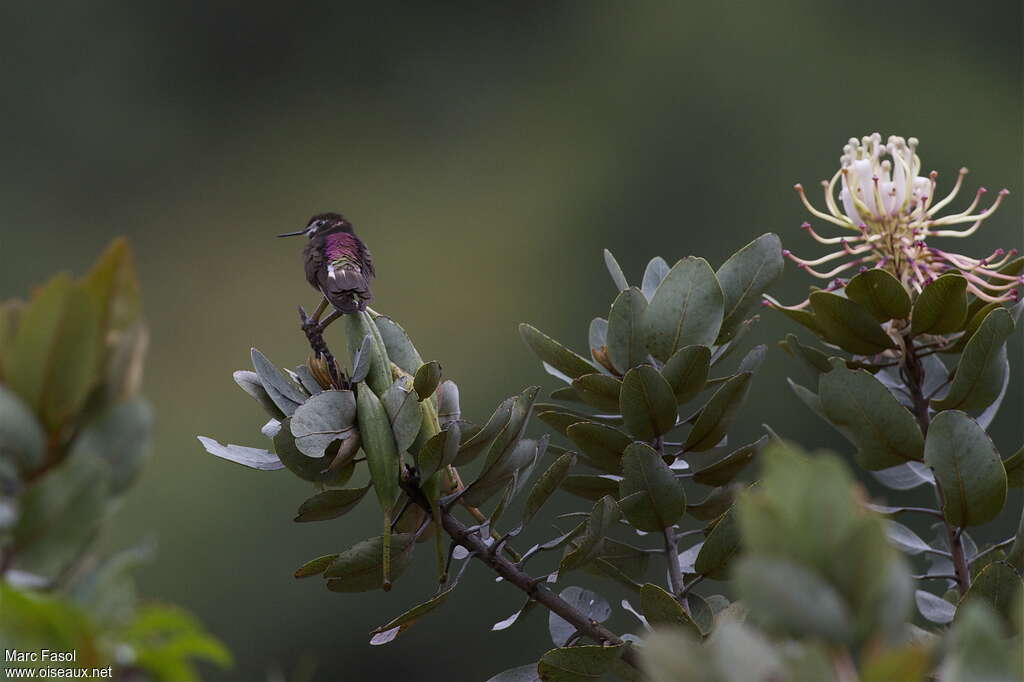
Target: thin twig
[512, 574]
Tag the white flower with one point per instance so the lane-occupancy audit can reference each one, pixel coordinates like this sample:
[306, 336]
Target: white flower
[883, 199]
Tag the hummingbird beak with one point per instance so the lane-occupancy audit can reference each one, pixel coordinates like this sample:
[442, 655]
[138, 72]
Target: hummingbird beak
[292, 234]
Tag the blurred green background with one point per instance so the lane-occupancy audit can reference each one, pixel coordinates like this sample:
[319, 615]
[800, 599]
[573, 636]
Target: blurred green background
[486, 153]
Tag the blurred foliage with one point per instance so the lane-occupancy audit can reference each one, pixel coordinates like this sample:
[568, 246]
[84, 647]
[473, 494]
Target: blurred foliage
[74, 434]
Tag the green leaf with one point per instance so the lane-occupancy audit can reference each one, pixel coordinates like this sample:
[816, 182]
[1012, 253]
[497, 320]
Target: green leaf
[647, 403]
[934, 608]
[324, 418]
[387, 633]
[626, 342]
[975, 316]
[307, 468]
[719, 549]
[727, 468]
[620, 561]
[506, 470]
[358, 326]
[979, 376]
[397, 344]
[651, 498]
[440, 451]
[30, 357]
[22, 440]
[661, 608]
[978, 649]
[522, 673]
[687, 372]
[547, 484]
[427, 379]
[315, 566]
[448, 408]
[967, 468]
[473, 445]
[591, 487]
[867, 413]
[941, 307]
[603, 445]
[511, 432]
[803, 317]
[402, 404]
[599, 391]
[560, 419]
[848, 325]
[714, 505]
[997, 584]
[254, 458]
[744, 654]
[816, 360]
[249, 382]
[654, 273]
[578, 663]
[74, 359]
[591, 605]
[615, 271]
[120, 437]
[361, 360]
[330, 504]
[670, 655]
[1014, 465]
[686, 309]
[60, 513]
[281, 389]
[554, 353]
[382, 457]
[744, 277]
[714, 420]
[785, 596]
[880, 294]
[603, 516]
[359, 568]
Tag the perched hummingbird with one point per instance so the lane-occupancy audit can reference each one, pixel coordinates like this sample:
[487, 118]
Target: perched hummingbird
[338, 264]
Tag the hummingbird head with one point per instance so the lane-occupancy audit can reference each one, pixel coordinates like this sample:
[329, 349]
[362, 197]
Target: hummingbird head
[322, 223]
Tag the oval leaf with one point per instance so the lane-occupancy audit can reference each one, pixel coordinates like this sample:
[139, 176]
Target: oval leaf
[744, 277]
[934, 608]
[880, 294]
[686, 309]
[602, 444]
[647, 403]
[427, 379]
[941, 307]
[967, 468]
[979, 376]
[359, 568]
[626, 343]
[554, 353]
[330, 504]
[848, 325]
[599, 391]
[322, 419]
[717, 416]
[651, 498]
[661, 608]
[548, 483]
[867, 413]
[687, 372]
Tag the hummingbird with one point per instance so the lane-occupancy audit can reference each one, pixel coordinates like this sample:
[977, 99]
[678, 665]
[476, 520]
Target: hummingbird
[338, 264]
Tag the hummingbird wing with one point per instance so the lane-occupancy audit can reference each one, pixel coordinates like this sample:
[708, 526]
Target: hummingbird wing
[345, 272]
